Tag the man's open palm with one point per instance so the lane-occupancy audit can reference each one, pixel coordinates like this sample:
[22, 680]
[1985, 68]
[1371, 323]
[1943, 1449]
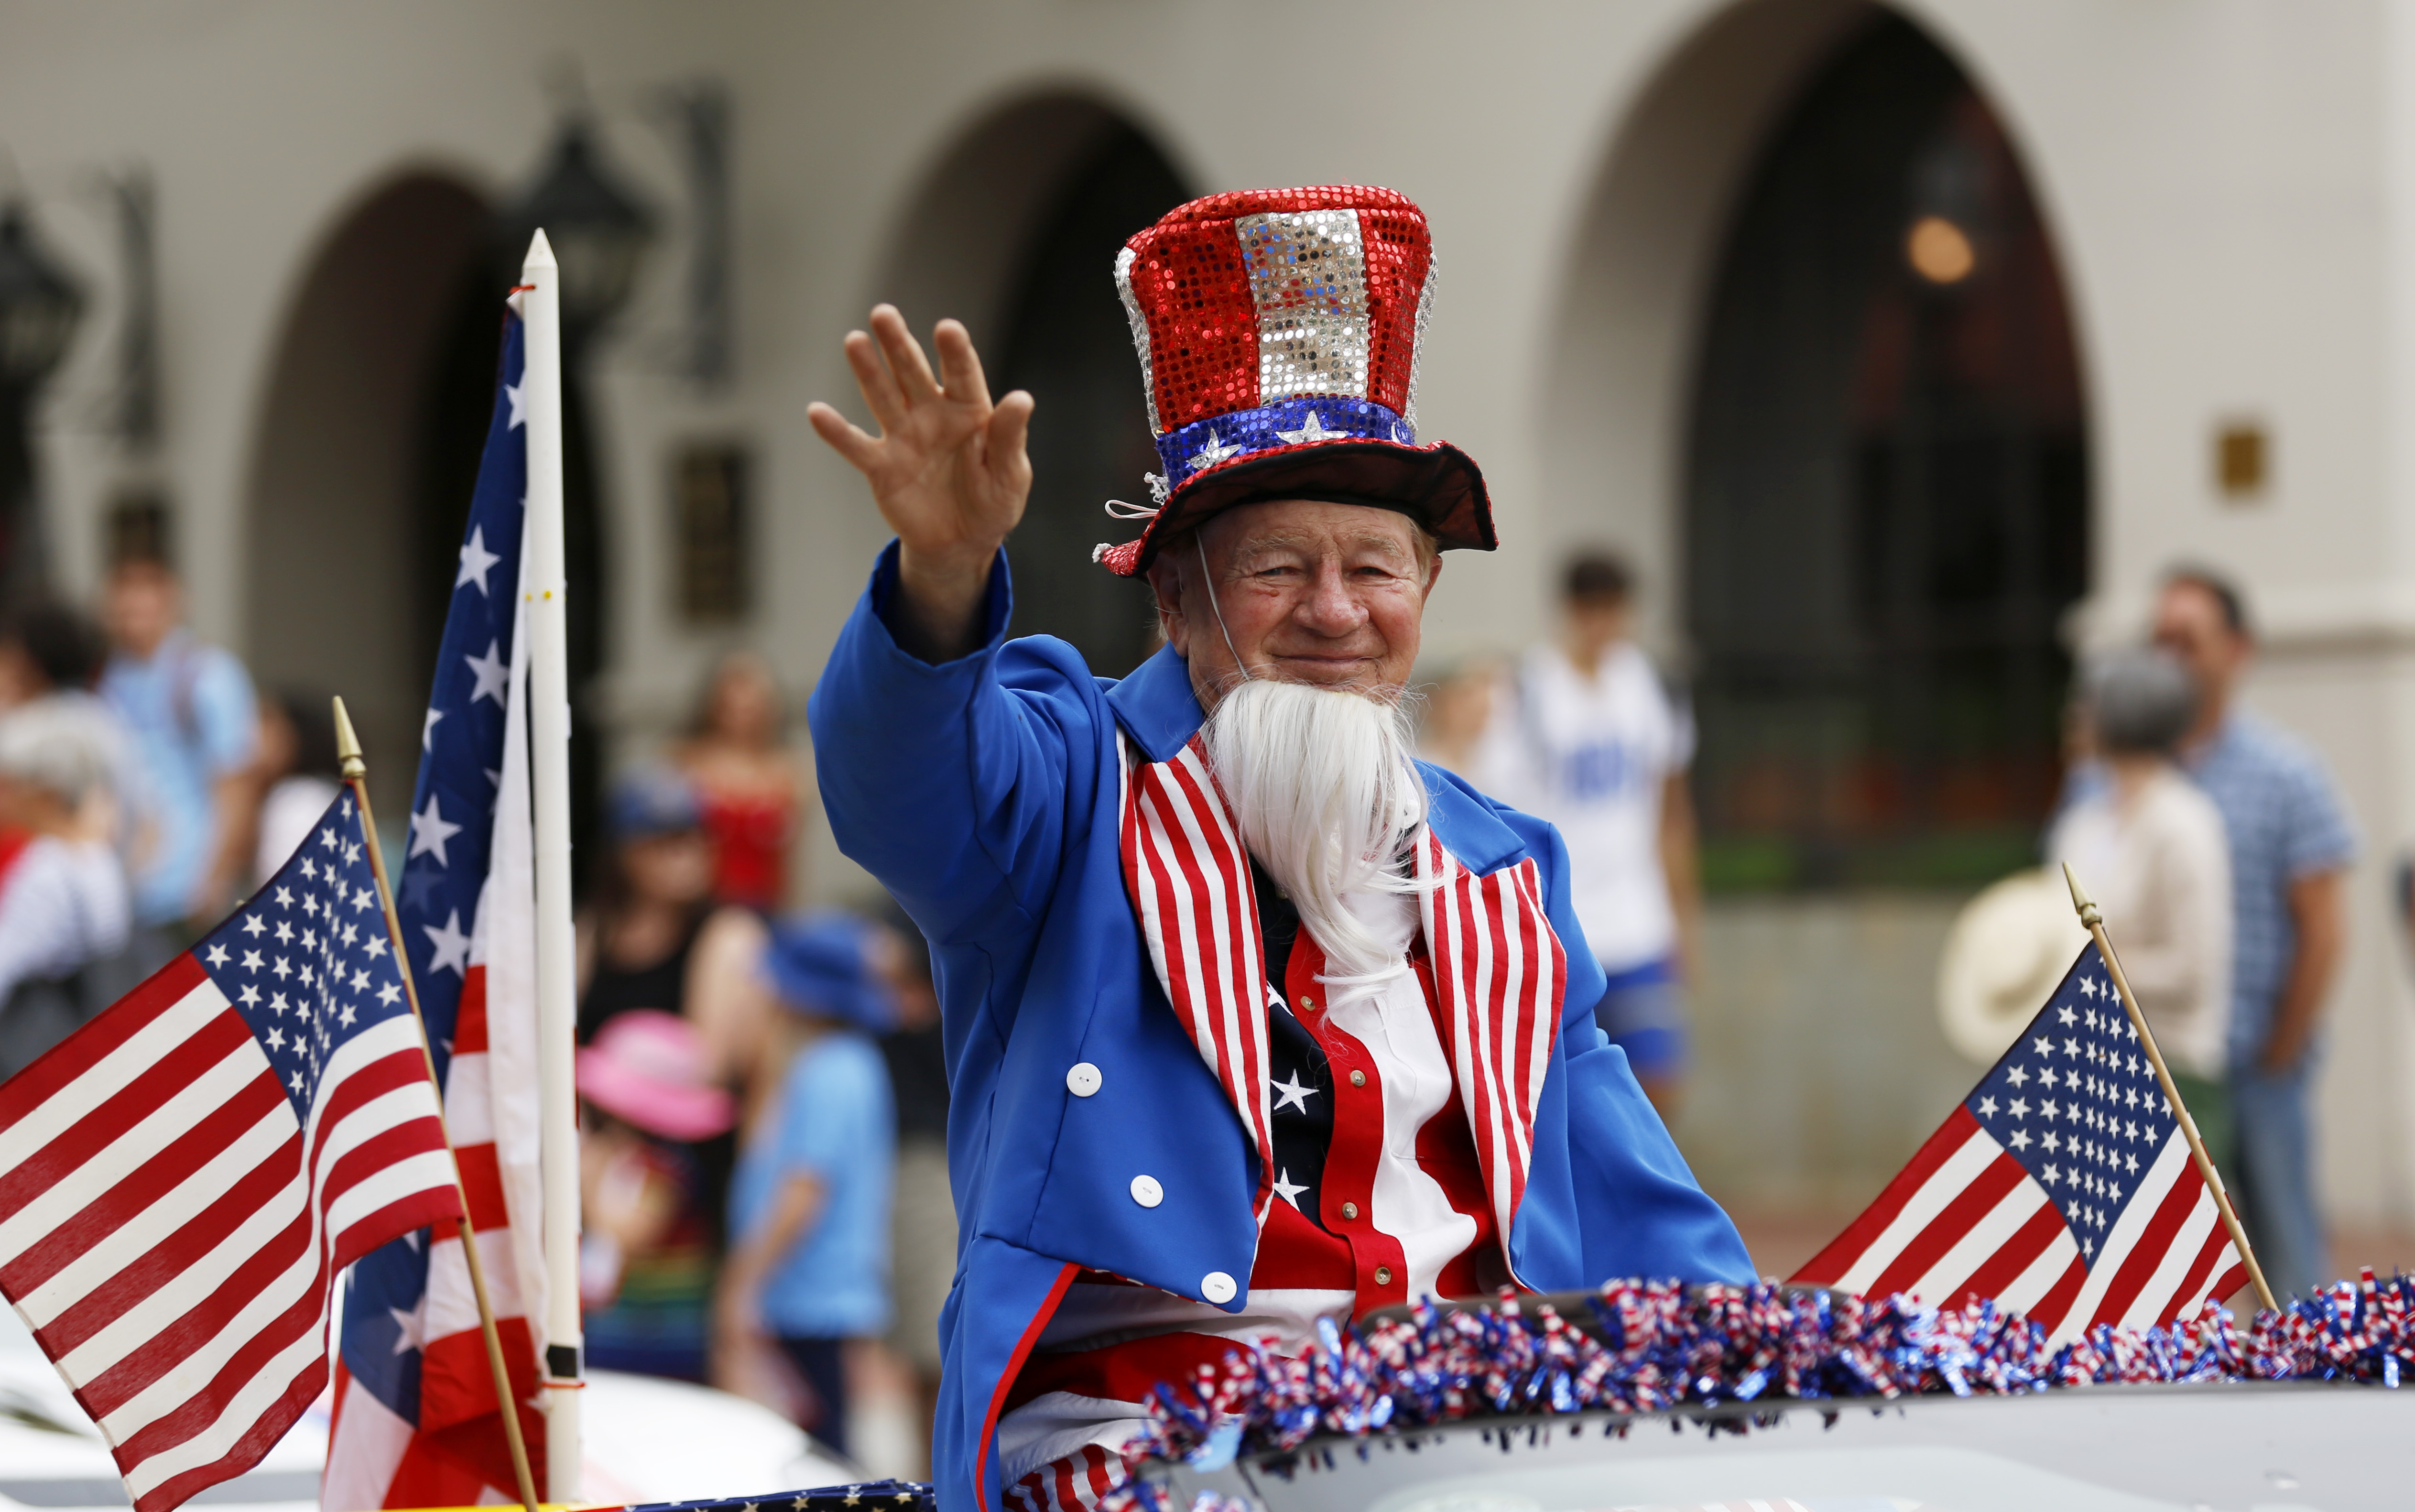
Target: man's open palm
[948, 469]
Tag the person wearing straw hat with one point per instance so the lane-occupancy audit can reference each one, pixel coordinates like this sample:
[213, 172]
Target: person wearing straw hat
[1252, 1020]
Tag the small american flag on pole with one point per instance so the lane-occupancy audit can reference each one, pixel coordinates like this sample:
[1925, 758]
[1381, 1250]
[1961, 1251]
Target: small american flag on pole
[2061, 1186]
[181, 1177]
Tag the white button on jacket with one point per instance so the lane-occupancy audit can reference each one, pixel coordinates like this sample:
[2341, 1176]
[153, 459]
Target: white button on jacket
[1084, 1079]
[1147, 1192]
[1215, 1287]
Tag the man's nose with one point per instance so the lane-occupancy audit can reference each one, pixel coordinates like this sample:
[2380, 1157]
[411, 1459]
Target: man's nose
[1330, 607]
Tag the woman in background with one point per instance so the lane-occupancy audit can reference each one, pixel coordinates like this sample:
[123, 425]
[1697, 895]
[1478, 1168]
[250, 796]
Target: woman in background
[747, 780]
[2151, 847]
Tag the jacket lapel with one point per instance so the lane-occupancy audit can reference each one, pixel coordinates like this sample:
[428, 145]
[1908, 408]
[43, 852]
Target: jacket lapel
[1188, 880]
[1499, 972]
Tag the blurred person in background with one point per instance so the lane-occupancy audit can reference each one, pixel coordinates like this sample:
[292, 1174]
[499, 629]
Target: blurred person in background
[299, 773]
[747, 781]
[189, 711]
[651, 938]
[2290, 847]
[64, 903]
[922, 1222]
[1583, 734]
[647, 1247]
[51, 657]
[808, 1268]
[2150, 845]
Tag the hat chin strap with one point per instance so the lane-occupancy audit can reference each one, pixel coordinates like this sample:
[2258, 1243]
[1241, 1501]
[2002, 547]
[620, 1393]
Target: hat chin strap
[1207, 581]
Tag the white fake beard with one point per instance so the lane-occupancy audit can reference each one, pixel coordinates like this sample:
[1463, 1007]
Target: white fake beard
[1327, 796]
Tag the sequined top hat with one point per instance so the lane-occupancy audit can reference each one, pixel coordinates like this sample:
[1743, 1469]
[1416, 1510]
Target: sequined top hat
[1278, 332]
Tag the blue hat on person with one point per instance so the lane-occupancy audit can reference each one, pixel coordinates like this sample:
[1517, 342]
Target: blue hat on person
[822, 964]
[651, 800]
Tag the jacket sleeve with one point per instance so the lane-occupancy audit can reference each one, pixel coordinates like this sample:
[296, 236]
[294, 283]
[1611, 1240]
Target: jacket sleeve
[951, 782]
[1642, 1212]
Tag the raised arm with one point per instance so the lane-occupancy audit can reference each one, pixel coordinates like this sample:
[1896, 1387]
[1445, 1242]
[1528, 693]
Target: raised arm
[947, 760]
[948, 470]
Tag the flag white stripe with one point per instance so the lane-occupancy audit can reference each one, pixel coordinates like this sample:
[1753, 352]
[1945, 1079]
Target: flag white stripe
[2107, 1262]
[175, 1207]
[1959, 1171]
[452, 1305]
[469, 1106]
[143, 1323]
[143, 1049]
[243, 1063]
[1977, 1247]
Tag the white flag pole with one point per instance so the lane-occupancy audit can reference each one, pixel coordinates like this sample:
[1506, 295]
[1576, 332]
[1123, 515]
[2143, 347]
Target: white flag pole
[545, 584]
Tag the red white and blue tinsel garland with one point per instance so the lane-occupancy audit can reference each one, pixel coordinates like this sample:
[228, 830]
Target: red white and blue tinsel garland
[1655, 1346]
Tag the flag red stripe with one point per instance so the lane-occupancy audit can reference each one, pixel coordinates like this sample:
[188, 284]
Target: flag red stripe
[176, 1252]
[469, 1015]
[427, 1207]
[88, 1046]
[376, 1153]
[2013, 1257]
[482, 1178]
[1954, 1220]
[2060, 1296]
[2139, 1265]
[122, 1110]
[1236, 901]
[113, 1209]
[1831, 1264]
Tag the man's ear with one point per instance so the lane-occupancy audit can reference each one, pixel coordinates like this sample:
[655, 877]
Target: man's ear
[1166, 586]
[1433, 574]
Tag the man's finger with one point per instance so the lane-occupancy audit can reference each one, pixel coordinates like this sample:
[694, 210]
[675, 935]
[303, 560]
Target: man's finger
[874, 382]
[960, 365]
[905, 354]
[1010, 426]
[860, 450]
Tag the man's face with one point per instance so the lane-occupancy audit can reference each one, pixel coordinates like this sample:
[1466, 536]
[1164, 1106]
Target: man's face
[2189, 624]
[141, 607]
[1596, 624]
[1309, 591]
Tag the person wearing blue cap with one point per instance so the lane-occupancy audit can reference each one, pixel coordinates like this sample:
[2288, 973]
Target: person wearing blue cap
[808, 1262]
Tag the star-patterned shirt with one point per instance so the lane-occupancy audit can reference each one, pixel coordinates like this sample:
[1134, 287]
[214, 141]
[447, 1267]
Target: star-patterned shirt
[1378, 1199]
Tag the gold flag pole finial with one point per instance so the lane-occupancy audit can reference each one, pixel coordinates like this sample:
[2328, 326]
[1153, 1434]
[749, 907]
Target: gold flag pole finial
[2093, 918]
[356, 773]
[348, 747]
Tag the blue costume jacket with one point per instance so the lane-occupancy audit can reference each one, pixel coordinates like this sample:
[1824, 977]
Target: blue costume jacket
[984, 793]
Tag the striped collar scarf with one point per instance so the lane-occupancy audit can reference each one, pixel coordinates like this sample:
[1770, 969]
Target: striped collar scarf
[1499, 971]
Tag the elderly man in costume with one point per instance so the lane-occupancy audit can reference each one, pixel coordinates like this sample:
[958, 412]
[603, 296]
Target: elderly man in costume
[1251, 1019]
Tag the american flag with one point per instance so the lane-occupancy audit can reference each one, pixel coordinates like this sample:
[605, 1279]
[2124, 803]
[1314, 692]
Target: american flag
[2061, 1186]
[180, 1178]
[416, 1422]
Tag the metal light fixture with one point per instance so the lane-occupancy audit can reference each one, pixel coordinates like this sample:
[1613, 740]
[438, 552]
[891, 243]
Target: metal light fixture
[40, 306]
[599, 230]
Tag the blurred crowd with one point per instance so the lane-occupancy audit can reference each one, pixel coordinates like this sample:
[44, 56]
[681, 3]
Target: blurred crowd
[2216, 841]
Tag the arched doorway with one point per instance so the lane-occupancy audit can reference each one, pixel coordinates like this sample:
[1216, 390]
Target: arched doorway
[1885, 496]
[332, 604]
[1016, 234]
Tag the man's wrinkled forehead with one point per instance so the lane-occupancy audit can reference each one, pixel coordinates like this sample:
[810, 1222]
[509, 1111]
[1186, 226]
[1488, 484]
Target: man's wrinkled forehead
[1313, 526]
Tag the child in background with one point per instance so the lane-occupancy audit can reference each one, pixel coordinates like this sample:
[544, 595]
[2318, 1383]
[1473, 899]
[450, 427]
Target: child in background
[808, 1263]
[645, 1261]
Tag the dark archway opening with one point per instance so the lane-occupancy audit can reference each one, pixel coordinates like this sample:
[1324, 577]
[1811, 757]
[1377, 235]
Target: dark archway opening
[1068, 342]
[1887, 492]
